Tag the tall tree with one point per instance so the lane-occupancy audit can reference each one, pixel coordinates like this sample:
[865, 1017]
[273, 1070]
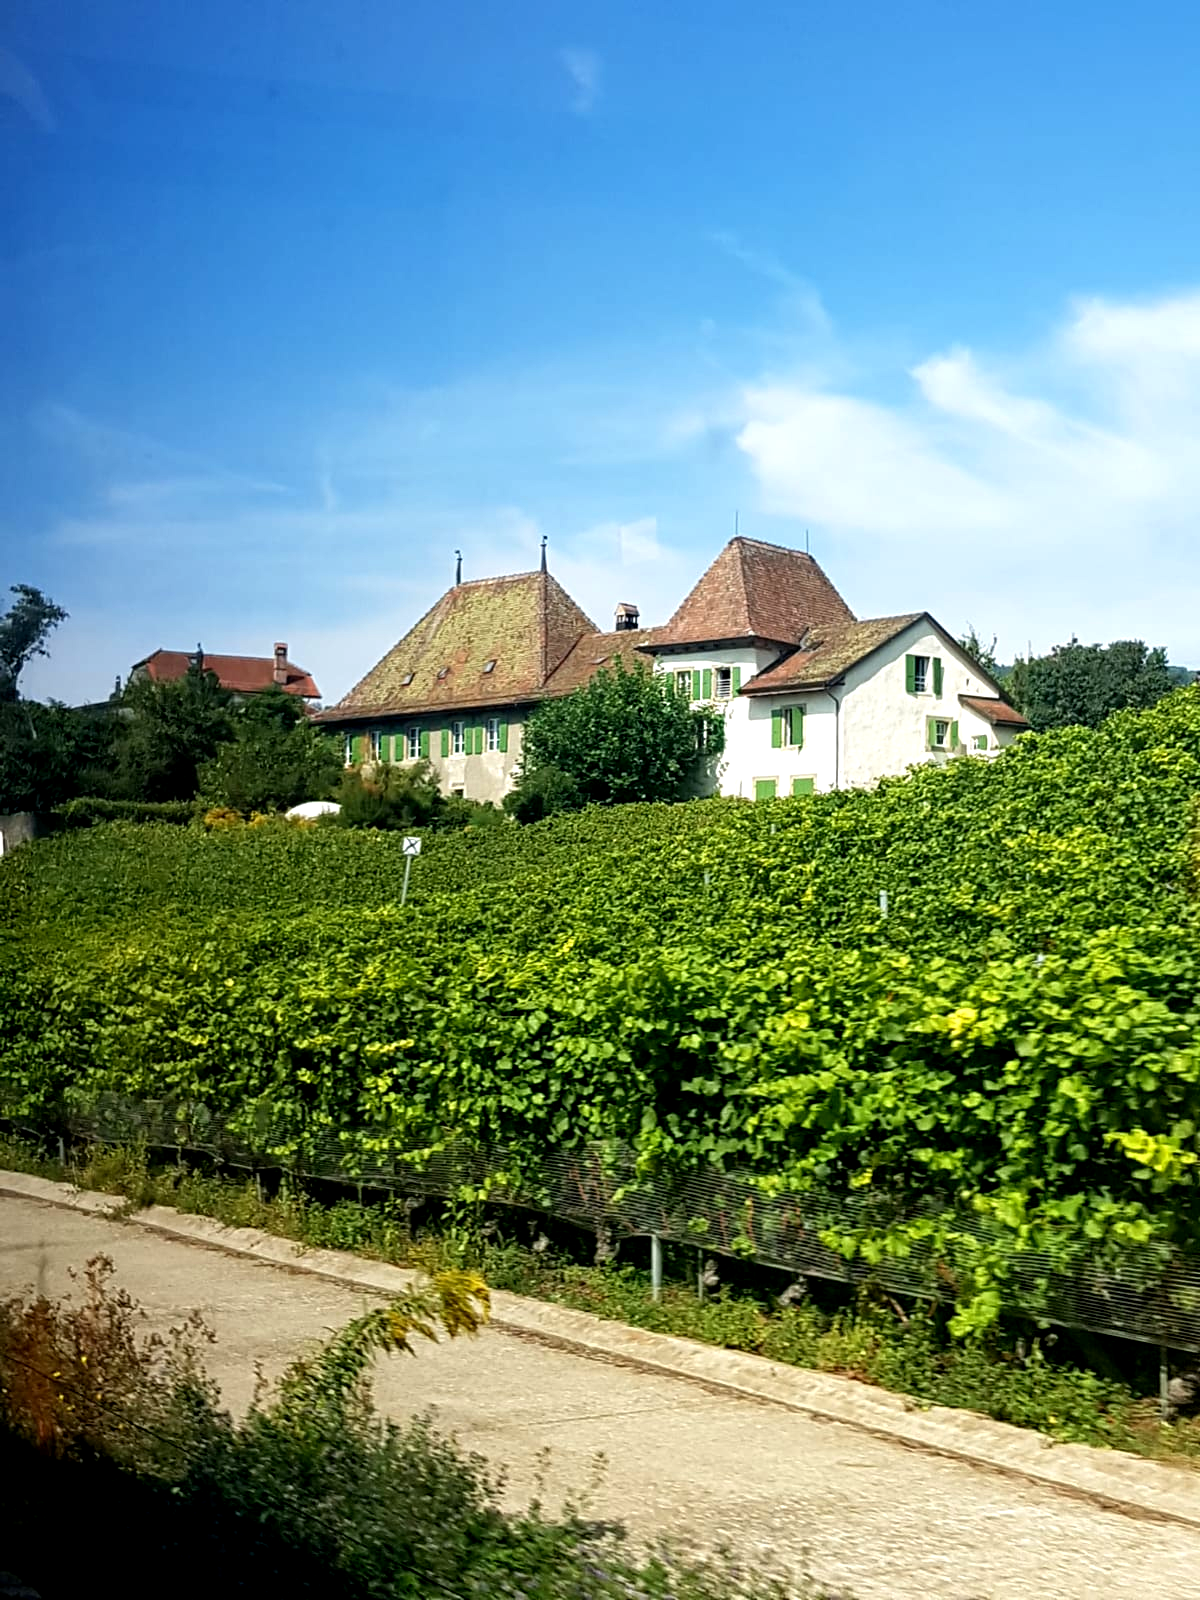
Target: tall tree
[985, 654]
[1083, 683]
[625, 736]
[275, 759]
[24, 628]
[168, 731]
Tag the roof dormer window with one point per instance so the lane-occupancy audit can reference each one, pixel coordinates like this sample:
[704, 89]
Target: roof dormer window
[406, 680]
[490, 666]
[445, 672]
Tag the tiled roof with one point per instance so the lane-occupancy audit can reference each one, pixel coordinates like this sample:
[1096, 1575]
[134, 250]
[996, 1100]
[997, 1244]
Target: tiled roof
[997, 712]
[596, 650]
[239, 674]
[829, 652]
[757, 591]
[525, 624]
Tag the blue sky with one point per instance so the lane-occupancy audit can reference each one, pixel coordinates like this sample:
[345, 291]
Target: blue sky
[299, 298]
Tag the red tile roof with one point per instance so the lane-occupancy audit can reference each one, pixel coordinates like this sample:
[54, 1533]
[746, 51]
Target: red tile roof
[597, 650]
[239, 674]
[525, 625]
[997, 712]
[828, 653]
[755, 590]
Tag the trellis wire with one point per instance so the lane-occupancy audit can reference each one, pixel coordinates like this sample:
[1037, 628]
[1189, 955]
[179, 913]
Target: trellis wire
[1143, 1297]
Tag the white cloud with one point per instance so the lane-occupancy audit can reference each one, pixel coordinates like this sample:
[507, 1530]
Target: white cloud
[1051, 490]
[584, 68]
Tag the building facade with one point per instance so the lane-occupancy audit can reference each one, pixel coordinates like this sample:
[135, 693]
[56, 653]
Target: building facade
[814, 698]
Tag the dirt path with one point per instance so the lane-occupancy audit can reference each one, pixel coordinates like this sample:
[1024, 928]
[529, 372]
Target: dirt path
[860, 1513]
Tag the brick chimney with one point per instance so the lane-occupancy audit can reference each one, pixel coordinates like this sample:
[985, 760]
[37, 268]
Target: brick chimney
[281, 664]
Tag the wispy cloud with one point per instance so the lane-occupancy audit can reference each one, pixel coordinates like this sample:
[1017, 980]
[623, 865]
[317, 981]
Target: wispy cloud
[584, 68]
[18, 84]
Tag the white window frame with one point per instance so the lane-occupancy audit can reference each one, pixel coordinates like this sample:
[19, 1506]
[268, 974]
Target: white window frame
[412, 743]
[683, 682]
[492, 736]
[942, 742]
[792, 715]
[722, 683]
[977, 745]
[458, 738]
[348, 750]
[922, 666]
[376, 745]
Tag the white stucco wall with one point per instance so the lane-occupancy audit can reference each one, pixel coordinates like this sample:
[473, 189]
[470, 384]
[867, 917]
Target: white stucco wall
[876, 729]
[487, 776]
[884, 727]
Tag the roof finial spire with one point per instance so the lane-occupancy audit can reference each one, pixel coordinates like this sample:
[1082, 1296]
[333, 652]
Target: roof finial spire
[458, 567]
[543, 552]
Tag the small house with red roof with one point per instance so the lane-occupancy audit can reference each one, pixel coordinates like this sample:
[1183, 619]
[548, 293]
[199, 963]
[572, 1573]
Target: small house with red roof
[241, 675]
[814, 697]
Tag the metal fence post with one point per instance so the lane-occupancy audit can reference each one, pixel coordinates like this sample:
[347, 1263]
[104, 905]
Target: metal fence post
[655, 1267]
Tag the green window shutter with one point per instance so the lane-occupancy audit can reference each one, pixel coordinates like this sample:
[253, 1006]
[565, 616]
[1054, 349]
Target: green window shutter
[445, 742]
[798, 727]
[929, 744]
[478, 739]
[954, 736]
[706, 680]
[356, 749]
[776, 729]
[503, 737]
[802, 785]
[424, 744]
[737, 679]
[937, 675]
[764, 788]
[910, 674]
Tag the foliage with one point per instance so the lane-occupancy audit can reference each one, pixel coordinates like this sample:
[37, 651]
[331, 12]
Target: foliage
[626, 735]
[405, 799]
[542, 792]
[86, 810]
[312, 1492]
[985, 654]
[276, 758]
[49, 752]
[170, 730]
[711, 984]
[1084, 683]
[24, 628]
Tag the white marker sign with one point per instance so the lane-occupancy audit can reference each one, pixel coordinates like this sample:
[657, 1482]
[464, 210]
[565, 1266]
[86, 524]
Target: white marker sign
[411, 845]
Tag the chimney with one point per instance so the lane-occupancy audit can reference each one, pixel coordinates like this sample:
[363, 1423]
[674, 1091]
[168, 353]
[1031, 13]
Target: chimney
[281, 664]
[627, 618]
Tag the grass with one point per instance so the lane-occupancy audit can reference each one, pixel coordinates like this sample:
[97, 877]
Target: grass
[874, 1339]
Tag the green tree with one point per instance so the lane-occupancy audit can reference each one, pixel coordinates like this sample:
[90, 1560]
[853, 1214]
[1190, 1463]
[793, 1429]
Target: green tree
[23, 632]
[1083, 683]
[624, 736]
[389, 797]
[49, 753]
[168, 732]
[985, 654]
[276, 758]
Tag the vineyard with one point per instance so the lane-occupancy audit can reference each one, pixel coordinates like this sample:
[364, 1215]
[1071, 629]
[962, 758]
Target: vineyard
[716, 984]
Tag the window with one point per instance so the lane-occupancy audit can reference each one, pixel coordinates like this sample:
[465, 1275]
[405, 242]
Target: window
[457, 792]
[723, 683]
[787, 728]
[456, 738]
[764, 788]
[406, 680]
[979, 741]
[493, 733]
[444, 672]
[376, 744]
[348, 751]
[683, 684]
[921, 673]
[412, 740]
[941, 733]
[490, 666]
[802, 785]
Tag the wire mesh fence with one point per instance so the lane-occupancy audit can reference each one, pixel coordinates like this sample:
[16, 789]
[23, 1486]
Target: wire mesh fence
[1146, 1295]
